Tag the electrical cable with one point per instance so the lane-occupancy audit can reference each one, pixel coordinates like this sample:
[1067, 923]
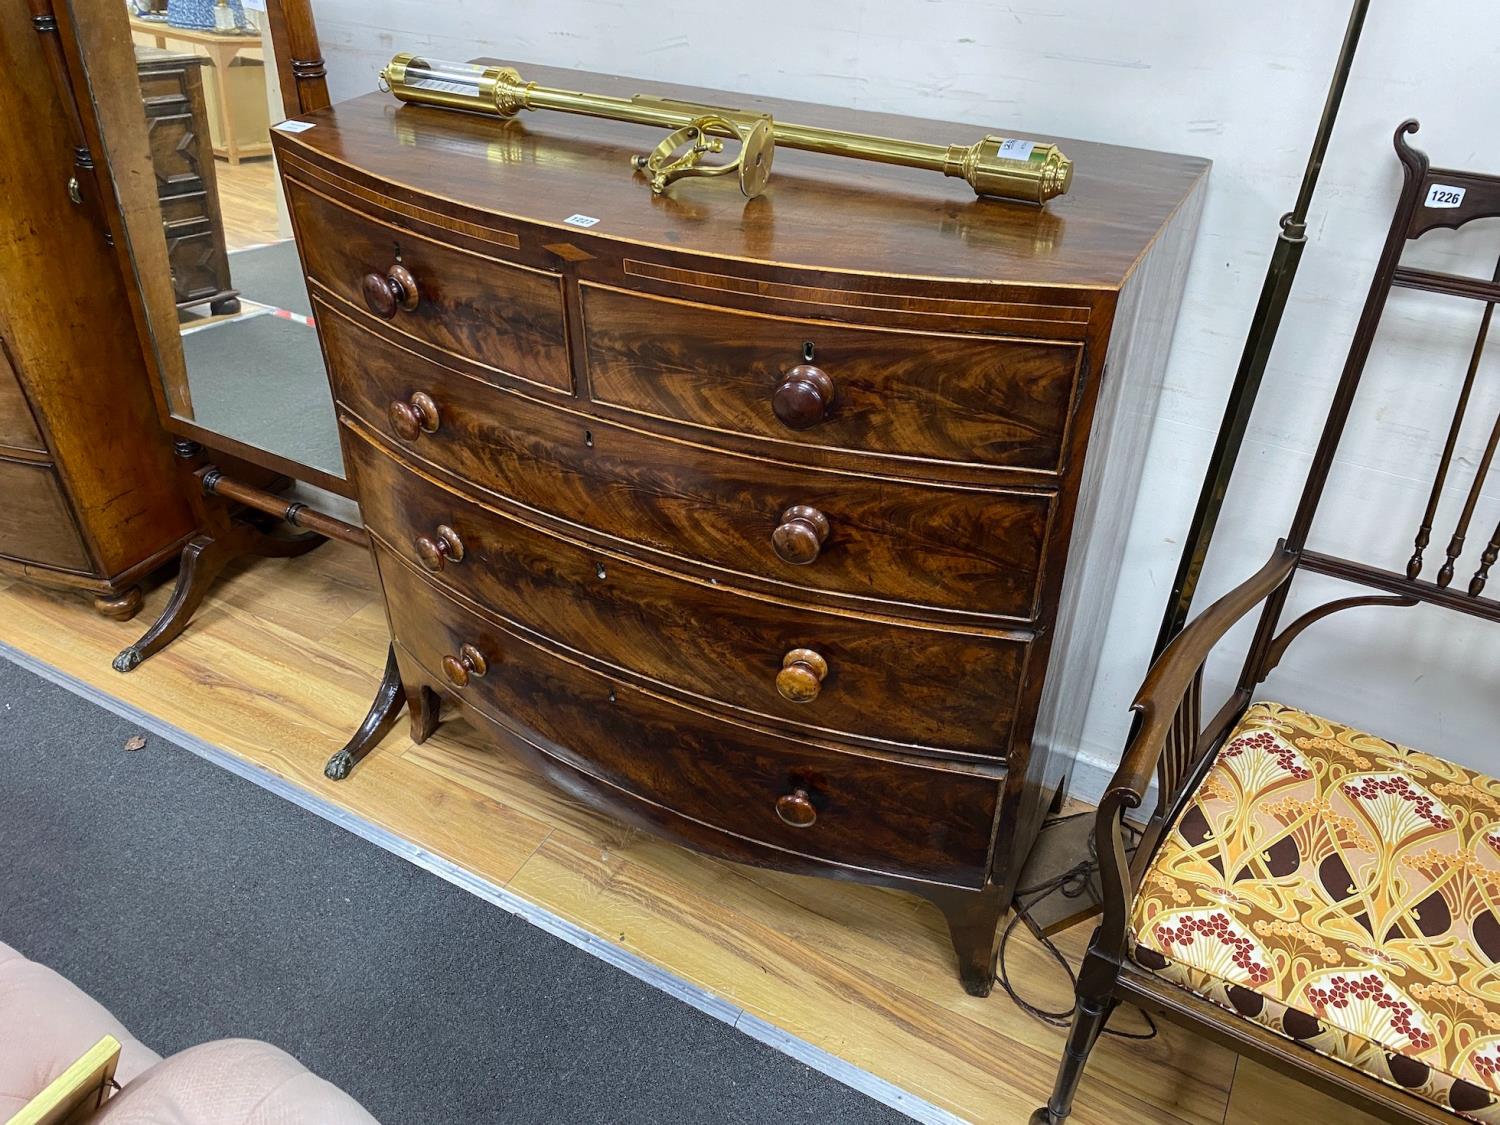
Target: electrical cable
[1071, 883]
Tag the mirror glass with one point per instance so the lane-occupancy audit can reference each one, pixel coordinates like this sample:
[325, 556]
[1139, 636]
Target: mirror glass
[209, 232]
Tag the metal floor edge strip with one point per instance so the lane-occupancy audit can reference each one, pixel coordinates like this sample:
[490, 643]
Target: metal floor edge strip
[841, 1070]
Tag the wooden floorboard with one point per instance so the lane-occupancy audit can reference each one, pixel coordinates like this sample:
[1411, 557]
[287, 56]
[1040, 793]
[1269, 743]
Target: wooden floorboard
[279, 667]
[1256, 1087]
[247, 200]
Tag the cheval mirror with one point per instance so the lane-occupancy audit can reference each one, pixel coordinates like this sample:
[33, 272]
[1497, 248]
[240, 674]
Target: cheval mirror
[180, 97]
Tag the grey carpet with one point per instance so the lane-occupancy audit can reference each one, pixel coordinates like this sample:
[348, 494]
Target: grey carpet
[261, 380]
[196, 905]
[271, 275]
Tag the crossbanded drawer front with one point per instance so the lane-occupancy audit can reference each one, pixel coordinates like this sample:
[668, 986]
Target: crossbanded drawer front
[789, 663]
[36, 523]
[867, 541]
[903, 818]
[496, 313]
[924, 396]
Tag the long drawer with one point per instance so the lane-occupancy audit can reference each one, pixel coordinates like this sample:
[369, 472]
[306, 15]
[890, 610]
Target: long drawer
[972, 550]
[928, 396]
[942, 689]
[865, 811]
[504, 316]
[36, 524]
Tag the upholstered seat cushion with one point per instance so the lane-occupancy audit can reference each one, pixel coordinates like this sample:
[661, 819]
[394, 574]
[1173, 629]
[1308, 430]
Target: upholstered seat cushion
[1342, 891]
[46, 1023]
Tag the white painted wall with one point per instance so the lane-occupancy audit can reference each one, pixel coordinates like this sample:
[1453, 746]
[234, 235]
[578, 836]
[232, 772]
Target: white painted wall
[1243, 85]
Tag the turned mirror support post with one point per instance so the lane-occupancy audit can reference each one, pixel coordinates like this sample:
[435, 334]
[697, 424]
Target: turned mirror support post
[300, 69]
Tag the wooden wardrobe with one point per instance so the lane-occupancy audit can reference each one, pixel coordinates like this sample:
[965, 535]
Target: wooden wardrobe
[91, 497]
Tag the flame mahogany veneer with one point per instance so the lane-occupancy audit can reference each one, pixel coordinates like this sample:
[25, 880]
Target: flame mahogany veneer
[787, 528]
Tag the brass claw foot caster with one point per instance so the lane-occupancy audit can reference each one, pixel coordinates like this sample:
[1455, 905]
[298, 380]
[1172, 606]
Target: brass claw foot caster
[339, 765]
[128, 659]
[390, 700]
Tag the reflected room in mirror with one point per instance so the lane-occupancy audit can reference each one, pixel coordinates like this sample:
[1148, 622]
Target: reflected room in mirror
[211, 244]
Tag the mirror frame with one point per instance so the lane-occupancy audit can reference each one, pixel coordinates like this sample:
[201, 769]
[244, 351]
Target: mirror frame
[96, 41]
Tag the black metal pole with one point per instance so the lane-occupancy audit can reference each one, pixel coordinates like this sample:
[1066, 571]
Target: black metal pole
[1258, 342]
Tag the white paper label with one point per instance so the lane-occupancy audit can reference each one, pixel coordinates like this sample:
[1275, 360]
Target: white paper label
[441, 86]
[295, 126]
[581, 220]
[1441, 195]
[1012, 149]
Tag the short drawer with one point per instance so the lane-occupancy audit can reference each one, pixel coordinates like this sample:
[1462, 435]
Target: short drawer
[841, 675]
[914, 820]
[977, 551]
[926, 396]
[36, 523]
[501, 315]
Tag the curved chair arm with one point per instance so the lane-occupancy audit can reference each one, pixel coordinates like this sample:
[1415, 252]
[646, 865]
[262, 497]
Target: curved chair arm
[1167, 745]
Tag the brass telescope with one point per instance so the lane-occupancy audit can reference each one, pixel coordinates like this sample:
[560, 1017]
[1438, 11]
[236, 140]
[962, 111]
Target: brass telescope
[1000, 167]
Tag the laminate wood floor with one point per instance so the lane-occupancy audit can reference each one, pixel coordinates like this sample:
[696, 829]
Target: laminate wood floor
[279, 666]
[247, 200]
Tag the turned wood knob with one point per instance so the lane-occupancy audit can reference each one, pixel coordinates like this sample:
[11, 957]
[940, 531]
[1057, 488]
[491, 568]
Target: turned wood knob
[801, 675]
[416, 416]
[385, 293]
[796, 808]
[804, 397]
[469, 662]
[439, 549]
[800, 535]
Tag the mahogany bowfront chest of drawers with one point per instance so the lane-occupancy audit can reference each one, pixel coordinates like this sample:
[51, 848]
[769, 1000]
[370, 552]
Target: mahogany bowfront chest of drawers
[786, 528]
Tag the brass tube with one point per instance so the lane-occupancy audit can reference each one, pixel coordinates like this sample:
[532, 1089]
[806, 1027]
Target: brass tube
[1022, 170]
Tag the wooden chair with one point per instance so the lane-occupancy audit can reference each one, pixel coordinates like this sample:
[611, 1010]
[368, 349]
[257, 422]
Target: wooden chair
[1311, 896]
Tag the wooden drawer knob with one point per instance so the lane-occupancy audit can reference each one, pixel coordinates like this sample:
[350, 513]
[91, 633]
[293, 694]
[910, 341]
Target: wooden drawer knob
[469, 662]
[796, 808]
[804, 397]
[385, 293]
[801, 675]
[800, 535]
[416, 416]
[439, 549]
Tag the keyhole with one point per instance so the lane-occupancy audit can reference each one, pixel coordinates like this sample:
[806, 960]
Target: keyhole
[807, 351]
[588, 438]
[599, 571]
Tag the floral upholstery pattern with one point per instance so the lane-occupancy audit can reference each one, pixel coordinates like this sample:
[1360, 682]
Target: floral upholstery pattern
[1342, 891]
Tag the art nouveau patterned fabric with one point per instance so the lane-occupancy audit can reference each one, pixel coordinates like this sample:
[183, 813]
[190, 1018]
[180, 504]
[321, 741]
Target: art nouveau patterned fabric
[1342, 891]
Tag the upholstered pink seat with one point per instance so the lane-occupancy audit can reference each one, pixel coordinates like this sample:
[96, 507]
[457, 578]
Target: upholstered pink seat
[47, 1022]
